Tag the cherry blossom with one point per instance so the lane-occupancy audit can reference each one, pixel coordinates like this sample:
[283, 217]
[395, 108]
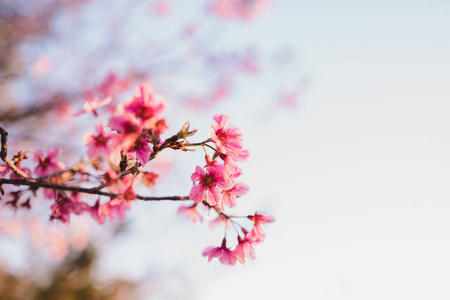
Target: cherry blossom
[126, 125]
[4, 169]
[211, 183]
[142, 149]
[224, 254]
[131, 138]
[227, 139]
[48, 164]
[64, 206]
[98, 145]
[229, 196]
[146, 106]
[92, 105]
[149, 178]
[191, 212]
[257, 235]
[244, 249]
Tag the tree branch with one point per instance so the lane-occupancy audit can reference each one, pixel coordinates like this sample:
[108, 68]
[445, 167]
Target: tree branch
[4, 154]
[92, 191]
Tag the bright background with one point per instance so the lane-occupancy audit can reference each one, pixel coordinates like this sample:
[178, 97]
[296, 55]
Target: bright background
[358, 177]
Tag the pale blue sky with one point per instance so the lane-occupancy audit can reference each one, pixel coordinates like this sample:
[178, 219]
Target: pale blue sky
[361, 189]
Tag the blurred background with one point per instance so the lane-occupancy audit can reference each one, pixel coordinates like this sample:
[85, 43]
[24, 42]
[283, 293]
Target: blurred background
[344, 108]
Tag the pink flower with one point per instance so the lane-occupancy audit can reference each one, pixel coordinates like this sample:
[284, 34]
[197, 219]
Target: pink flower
[244, 249]
[97, 144]
[112, 85]
[4, 169]
[127, 127]
[211, 183]
[115, 209]
[191, 212]
[149, 178]
[262, 218]
[123, 186]
[146, 106]
[227, 139]
[220, 220]
[25, 170]
[64, 206]
[92, 105]
[231, 168]
[229, 196]
[49, 164]
[96, 213]
[257, 234]
[142, 149]
[160, 127]
[128, 194]
[225, 255]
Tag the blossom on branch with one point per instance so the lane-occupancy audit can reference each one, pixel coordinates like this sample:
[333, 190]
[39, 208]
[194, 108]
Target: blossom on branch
[130, 140]
[48, 164]
[146, 106]
[257, 234]
[229, 196]
[211, 183]
[228, 139]
[224, 254]
[244, 249]
[98, 145]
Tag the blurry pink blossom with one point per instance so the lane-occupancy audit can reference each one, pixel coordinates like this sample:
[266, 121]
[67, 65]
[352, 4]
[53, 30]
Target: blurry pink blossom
[225, 255]
[146, 105]
[48, 164]
[92, 105]
[41, 67]
[229, 196]
[244, 249]
[97, 144]
[191, 212]
[227, 139]
[257, 234]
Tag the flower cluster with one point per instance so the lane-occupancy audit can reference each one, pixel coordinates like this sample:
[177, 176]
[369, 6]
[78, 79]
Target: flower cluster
[244, 248]
[118, 152]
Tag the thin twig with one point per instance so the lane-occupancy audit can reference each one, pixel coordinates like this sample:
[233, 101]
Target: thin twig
[4, 154]
[92, 191]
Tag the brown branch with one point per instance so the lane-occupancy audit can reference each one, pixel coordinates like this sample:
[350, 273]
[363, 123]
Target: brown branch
[13, 115]
[38, 183]
[92, 191]
[4, 154]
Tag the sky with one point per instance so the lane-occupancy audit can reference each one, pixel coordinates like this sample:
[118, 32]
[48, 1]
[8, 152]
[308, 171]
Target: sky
[359, 179]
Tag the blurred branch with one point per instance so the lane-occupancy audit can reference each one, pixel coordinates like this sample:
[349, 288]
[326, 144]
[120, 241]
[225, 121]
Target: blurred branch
[4, 154]
[14, 115]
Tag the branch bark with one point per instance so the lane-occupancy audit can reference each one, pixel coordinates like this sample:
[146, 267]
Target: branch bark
[4, 154]
[92, 191]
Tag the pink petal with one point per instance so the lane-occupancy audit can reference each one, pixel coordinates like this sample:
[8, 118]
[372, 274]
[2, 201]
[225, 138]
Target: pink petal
[213, 196]
[198, 174]
[197, 193]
